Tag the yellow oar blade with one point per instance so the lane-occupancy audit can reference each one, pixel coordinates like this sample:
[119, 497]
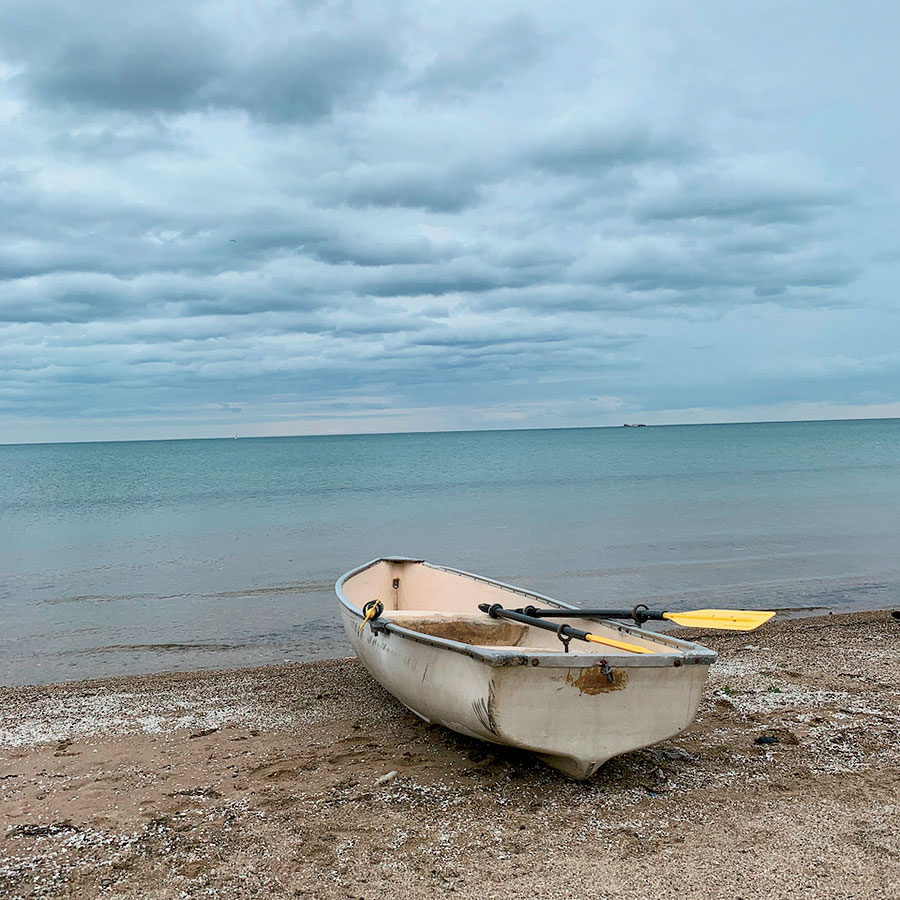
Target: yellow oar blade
[621, 645]
[725, 619]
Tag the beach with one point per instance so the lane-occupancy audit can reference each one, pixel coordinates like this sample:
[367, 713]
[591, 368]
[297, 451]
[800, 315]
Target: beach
[307, 780]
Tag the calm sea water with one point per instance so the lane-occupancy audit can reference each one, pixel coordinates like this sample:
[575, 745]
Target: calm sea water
[136, 557]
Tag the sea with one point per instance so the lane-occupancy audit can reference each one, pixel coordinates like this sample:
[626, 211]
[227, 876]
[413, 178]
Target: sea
[134, 557]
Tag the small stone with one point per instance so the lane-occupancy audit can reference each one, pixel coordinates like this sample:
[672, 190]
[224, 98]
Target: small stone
[674, 753]
[205, 733]
[386, 778]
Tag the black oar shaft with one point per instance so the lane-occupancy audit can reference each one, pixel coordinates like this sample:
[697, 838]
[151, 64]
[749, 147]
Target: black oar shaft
[638, 614]
[497, 611]
[564, 632]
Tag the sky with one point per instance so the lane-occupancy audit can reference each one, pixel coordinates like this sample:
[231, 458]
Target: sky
[314, 217]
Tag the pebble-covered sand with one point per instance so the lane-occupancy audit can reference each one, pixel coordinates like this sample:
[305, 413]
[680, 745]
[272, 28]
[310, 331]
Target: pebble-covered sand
[309, 781]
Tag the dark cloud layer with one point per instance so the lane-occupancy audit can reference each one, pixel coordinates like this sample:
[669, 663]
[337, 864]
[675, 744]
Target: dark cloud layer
[101, 55]
[321, 212]
[169, 59]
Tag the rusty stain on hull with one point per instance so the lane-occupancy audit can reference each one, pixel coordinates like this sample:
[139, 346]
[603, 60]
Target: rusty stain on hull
[597, 679]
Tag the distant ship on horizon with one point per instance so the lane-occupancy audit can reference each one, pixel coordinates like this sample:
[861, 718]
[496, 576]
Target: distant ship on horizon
[634, 425]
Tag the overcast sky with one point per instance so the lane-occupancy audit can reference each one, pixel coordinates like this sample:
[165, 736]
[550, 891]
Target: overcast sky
[302, 217]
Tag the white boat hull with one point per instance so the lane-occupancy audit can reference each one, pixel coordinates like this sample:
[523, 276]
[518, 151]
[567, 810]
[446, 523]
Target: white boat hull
[574, 710]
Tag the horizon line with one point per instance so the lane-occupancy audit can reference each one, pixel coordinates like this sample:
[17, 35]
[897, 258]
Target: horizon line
[269, 437]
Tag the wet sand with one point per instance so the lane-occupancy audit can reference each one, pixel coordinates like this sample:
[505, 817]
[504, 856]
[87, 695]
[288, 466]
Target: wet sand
[309, 781]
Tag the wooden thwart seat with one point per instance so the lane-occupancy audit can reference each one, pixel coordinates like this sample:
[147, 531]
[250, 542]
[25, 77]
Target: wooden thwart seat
[474, 628]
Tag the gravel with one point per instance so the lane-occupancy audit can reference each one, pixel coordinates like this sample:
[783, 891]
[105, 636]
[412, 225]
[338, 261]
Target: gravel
[310, 781]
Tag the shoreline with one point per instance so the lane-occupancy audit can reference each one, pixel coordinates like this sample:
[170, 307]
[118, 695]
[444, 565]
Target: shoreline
[21, 667]
[309, 780]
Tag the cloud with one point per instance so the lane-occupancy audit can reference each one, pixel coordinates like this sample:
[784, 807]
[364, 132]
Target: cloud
[761, 189]
[299, 208]
[128, 140]
[174, 58]
[579, 146]
[483, 61]
[301, 79]
[434, 188]
[100, 55]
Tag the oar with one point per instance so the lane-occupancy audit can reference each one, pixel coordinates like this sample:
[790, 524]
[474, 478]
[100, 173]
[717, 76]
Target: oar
[725, 619]
[564, 632]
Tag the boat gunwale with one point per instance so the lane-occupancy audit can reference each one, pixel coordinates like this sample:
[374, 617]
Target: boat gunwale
[690, 653]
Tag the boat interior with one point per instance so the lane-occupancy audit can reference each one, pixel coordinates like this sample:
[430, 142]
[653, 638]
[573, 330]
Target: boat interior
[444, 604]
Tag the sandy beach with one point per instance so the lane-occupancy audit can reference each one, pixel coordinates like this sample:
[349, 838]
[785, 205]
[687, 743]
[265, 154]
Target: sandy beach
[308, 781]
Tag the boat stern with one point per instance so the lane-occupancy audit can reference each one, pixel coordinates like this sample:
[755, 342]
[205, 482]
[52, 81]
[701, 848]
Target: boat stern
[577, 718]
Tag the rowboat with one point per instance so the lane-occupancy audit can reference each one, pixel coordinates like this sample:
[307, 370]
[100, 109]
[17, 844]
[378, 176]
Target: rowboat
[447, 644]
